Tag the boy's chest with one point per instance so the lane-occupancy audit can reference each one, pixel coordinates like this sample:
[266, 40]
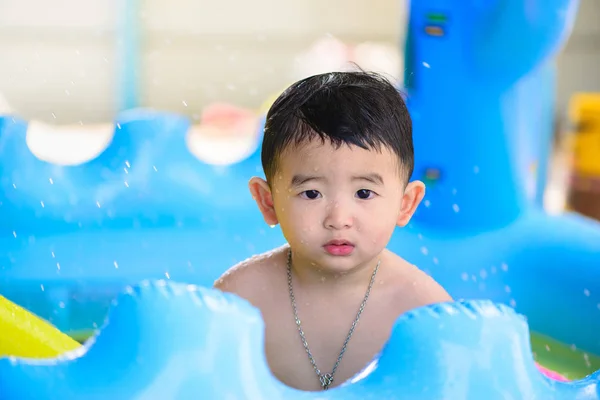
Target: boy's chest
[325, 330]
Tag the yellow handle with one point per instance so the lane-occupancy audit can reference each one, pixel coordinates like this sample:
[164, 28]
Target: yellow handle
[23, 334]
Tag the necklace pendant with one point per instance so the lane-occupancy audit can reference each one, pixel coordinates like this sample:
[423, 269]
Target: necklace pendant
[326, 380]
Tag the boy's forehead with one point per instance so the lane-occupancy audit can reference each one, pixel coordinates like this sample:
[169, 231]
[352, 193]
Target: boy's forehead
[316, 153]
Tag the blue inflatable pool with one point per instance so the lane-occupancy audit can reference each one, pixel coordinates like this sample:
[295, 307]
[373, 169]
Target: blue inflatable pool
[75, 238]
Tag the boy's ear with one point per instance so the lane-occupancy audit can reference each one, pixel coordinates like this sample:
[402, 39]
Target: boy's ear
[413, 194]
[261, 193]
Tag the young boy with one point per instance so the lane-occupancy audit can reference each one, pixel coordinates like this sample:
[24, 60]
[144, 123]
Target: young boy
[337, 155]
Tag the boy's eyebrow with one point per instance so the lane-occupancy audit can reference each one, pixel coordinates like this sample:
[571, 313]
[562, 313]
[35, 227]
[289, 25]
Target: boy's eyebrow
[373, 178]
[298, 179]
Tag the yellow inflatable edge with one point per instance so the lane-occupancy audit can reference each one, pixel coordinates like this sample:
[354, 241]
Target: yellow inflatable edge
[23, 334]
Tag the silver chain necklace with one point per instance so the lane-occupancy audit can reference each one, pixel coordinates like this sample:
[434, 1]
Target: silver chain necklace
[327, 378]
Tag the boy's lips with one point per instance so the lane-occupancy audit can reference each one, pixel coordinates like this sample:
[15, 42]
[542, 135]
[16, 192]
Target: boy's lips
[339, 247]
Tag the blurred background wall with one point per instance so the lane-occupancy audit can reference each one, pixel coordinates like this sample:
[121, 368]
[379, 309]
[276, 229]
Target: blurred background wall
[60, 60]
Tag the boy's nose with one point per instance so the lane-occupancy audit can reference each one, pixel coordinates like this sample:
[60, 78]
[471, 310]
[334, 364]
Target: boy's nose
[338, 217]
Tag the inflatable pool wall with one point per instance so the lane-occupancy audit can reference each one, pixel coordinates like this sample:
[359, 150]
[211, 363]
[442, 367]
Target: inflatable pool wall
[176, 341]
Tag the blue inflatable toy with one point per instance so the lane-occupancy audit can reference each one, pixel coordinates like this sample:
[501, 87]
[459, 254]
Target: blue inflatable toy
[147, 209]
[175, 341]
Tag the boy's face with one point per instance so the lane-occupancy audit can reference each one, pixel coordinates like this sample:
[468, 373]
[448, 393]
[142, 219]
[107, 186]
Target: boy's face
[337, 207]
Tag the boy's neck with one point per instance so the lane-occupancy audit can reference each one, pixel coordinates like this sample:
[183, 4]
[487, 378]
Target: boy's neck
[309, 275]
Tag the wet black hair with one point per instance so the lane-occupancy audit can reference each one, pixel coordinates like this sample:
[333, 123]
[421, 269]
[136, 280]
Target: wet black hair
[353, 108]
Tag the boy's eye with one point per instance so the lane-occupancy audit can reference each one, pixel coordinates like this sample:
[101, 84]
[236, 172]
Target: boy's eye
[365, 194]
[311, 194]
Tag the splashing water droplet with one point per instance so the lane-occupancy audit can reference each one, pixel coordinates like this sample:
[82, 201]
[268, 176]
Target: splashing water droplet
[116, 265]
[455, 208]
[586, 292]
[513, 303]
[464, 276]
[51, 181]
[427, 203]
[424, 250]
[426, 65]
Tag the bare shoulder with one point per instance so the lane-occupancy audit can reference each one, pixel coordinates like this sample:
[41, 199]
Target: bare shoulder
[411, 287]
[252, 278]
